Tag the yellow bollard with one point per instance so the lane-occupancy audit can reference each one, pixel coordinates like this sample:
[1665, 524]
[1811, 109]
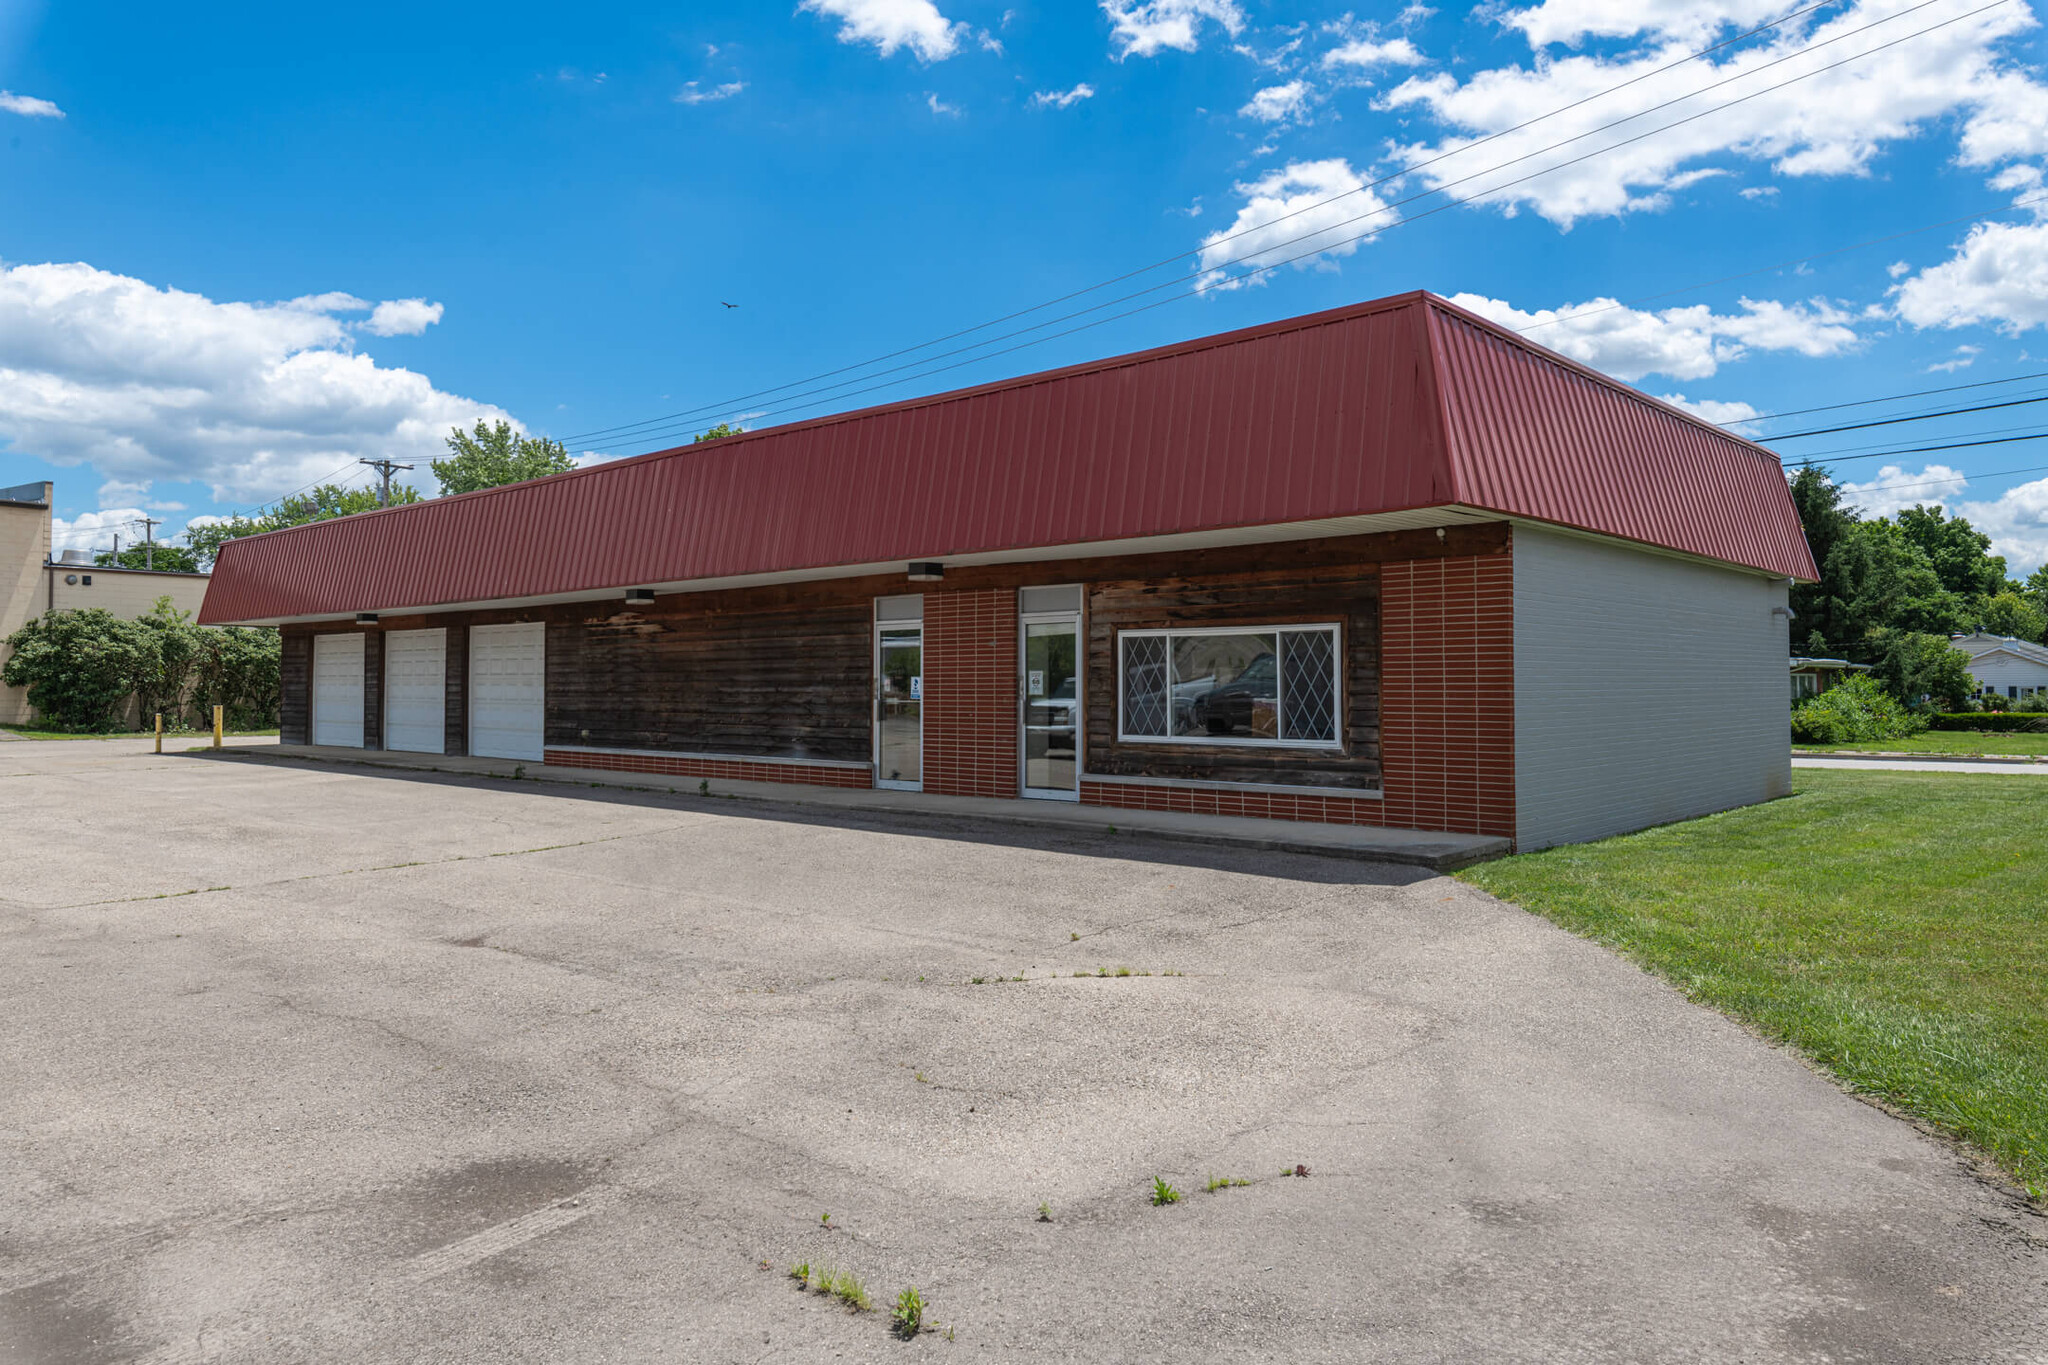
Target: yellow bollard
[159, 732]
[216, 725]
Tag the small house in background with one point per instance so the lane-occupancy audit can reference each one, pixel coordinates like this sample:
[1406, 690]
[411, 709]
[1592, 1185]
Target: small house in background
[1811, 677]
[1388, 565]
[33, 582]
[2004, 666]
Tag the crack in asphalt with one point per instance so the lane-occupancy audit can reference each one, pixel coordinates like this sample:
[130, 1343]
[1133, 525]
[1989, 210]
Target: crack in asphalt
[359, 871]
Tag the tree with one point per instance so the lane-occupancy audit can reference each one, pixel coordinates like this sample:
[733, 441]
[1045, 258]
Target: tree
[1959, 552]
[164, 558]
[1876, 578]
[323, 503]
[1826, 523]
[493, 456]
[168, 643]
[1913, 665]
[719, 432]
[2037, 587]
[237, 668]
[2009, 613]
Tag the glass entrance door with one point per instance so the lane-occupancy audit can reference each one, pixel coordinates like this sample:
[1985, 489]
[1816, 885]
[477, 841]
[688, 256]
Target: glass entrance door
[1052, 707]
[899, 707]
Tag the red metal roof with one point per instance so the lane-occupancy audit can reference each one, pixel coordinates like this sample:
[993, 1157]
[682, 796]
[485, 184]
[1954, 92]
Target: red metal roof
[1400, 404]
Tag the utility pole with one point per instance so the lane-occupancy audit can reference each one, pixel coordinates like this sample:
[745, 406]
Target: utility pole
[149, 525]
[384, 467]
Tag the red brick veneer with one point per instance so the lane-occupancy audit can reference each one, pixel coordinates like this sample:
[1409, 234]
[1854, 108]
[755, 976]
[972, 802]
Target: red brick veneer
[1447, 693]
[730, 769]
[970, 692]
[1327, 810]
[1447, 713]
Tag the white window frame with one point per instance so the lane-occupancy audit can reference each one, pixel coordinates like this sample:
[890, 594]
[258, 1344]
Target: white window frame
[1336, 633]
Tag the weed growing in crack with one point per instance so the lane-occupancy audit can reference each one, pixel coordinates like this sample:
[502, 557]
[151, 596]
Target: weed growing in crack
[1073, 937]
[1044, 1212]
[1163, 1193]
[1223, 1182]
[906, 1319]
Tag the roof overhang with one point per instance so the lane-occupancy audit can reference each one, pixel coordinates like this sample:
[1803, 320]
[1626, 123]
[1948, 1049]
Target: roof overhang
[1411, 520]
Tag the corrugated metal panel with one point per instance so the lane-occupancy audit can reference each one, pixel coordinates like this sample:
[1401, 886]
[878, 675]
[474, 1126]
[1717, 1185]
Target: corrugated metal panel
[1536, 435]
[1346, 413]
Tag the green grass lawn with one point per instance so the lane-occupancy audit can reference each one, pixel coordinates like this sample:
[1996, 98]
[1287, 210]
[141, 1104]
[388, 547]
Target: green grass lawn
[1944, 742]
[1892, 926]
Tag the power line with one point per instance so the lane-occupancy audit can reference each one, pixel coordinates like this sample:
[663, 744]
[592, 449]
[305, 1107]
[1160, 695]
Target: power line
[635, 427]
[1910, 417]
[1892, 397]
[1325, 246]
[1176, 256]
[1928, 450]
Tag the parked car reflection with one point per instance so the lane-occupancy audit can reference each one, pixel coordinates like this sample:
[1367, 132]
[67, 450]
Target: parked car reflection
[1246, 704]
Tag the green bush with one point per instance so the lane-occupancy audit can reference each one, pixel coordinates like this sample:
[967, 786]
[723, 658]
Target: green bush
[81, 667]
[1858, 709]
[1995, 722]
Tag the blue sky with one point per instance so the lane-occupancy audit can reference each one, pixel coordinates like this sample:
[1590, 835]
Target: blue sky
[243, 246]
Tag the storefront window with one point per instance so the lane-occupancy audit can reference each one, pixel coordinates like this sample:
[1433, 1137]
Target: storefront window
[1239, 685]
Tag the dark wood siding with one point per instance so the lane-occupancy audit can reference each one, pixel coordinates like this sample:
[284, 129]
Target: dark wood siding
[1347, 594]
[295, 685]
[776, 673]
[373, 690]
[457, 675]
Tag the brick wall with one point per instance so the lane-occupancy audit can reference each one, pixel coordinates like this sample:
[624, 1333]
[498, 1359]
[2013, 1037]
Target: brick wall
[1324, 810]
[970, 692]
[1447, 718]
[727, 769]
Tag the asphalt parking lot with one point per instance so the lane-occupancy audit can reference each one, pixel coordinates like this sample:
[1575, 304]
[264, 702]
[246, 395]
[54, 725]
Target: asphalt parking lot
[311, 1063]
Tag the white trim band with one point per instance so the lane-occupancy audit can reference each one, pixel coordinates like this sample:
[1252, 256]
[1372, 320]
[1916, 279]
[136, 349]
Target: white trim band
[710, 758]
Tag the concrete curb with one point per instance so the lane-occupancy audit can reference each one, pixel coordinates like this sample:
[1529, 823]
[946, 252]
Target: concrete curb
[1894, 755]
[1411, 848]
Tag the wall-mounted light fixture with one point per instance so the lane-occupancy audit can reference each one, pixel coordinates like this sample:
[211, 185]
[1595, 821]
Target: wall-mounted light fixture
[640, 596]
[927, 571]
[366, 618]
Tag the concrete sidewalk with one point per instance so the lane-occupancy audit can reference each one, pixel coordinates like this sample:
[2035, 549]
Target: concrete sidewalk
[1893, 763]
[1415, 848]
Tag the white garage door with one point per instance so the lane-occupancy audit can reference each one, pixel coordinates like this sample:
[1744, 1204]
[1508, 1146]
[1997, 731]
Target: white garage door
[415, 690]
[338, 689]
[507, 690]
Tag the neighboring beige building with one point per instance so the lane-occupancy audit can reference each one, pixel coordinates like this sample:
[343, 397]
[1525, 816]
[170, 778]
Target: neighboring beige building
[31, 584]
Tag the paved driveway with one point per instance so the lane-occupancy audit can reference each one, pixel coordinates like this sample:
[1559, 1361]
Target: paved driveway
[310, 1064]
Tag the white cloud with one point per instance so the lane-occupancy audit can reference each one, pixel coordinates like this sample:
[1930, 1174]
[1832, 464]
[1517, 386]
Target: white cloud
[1835, 123]
[1572, 21]
[1685, 343]
[1142, 27]
[96, 530]
[1285, 215]
[1758, 191]
[1365, 54]
[691, 93]
[252, 399]
[939, 106]
[402, 318]
[115, 492]
[1965, 357]
[1278, 103]
[891, 24]
[1998, 276]
[2016, 521]
[1063, 99]
[28, 106]
[1715, 410]
[1892, 489]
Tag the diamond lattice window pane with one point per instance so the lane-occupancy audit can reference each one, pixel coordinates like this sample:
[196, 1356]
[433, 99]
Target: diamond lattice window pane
[1308, 677]
[1144, 683]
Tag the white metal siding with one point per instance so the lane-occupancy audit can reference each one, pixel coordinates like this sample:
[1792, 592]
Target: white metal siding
[507, 691]
[338, 689]
[415, 690]
[1647, 689]
[2003, 671]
